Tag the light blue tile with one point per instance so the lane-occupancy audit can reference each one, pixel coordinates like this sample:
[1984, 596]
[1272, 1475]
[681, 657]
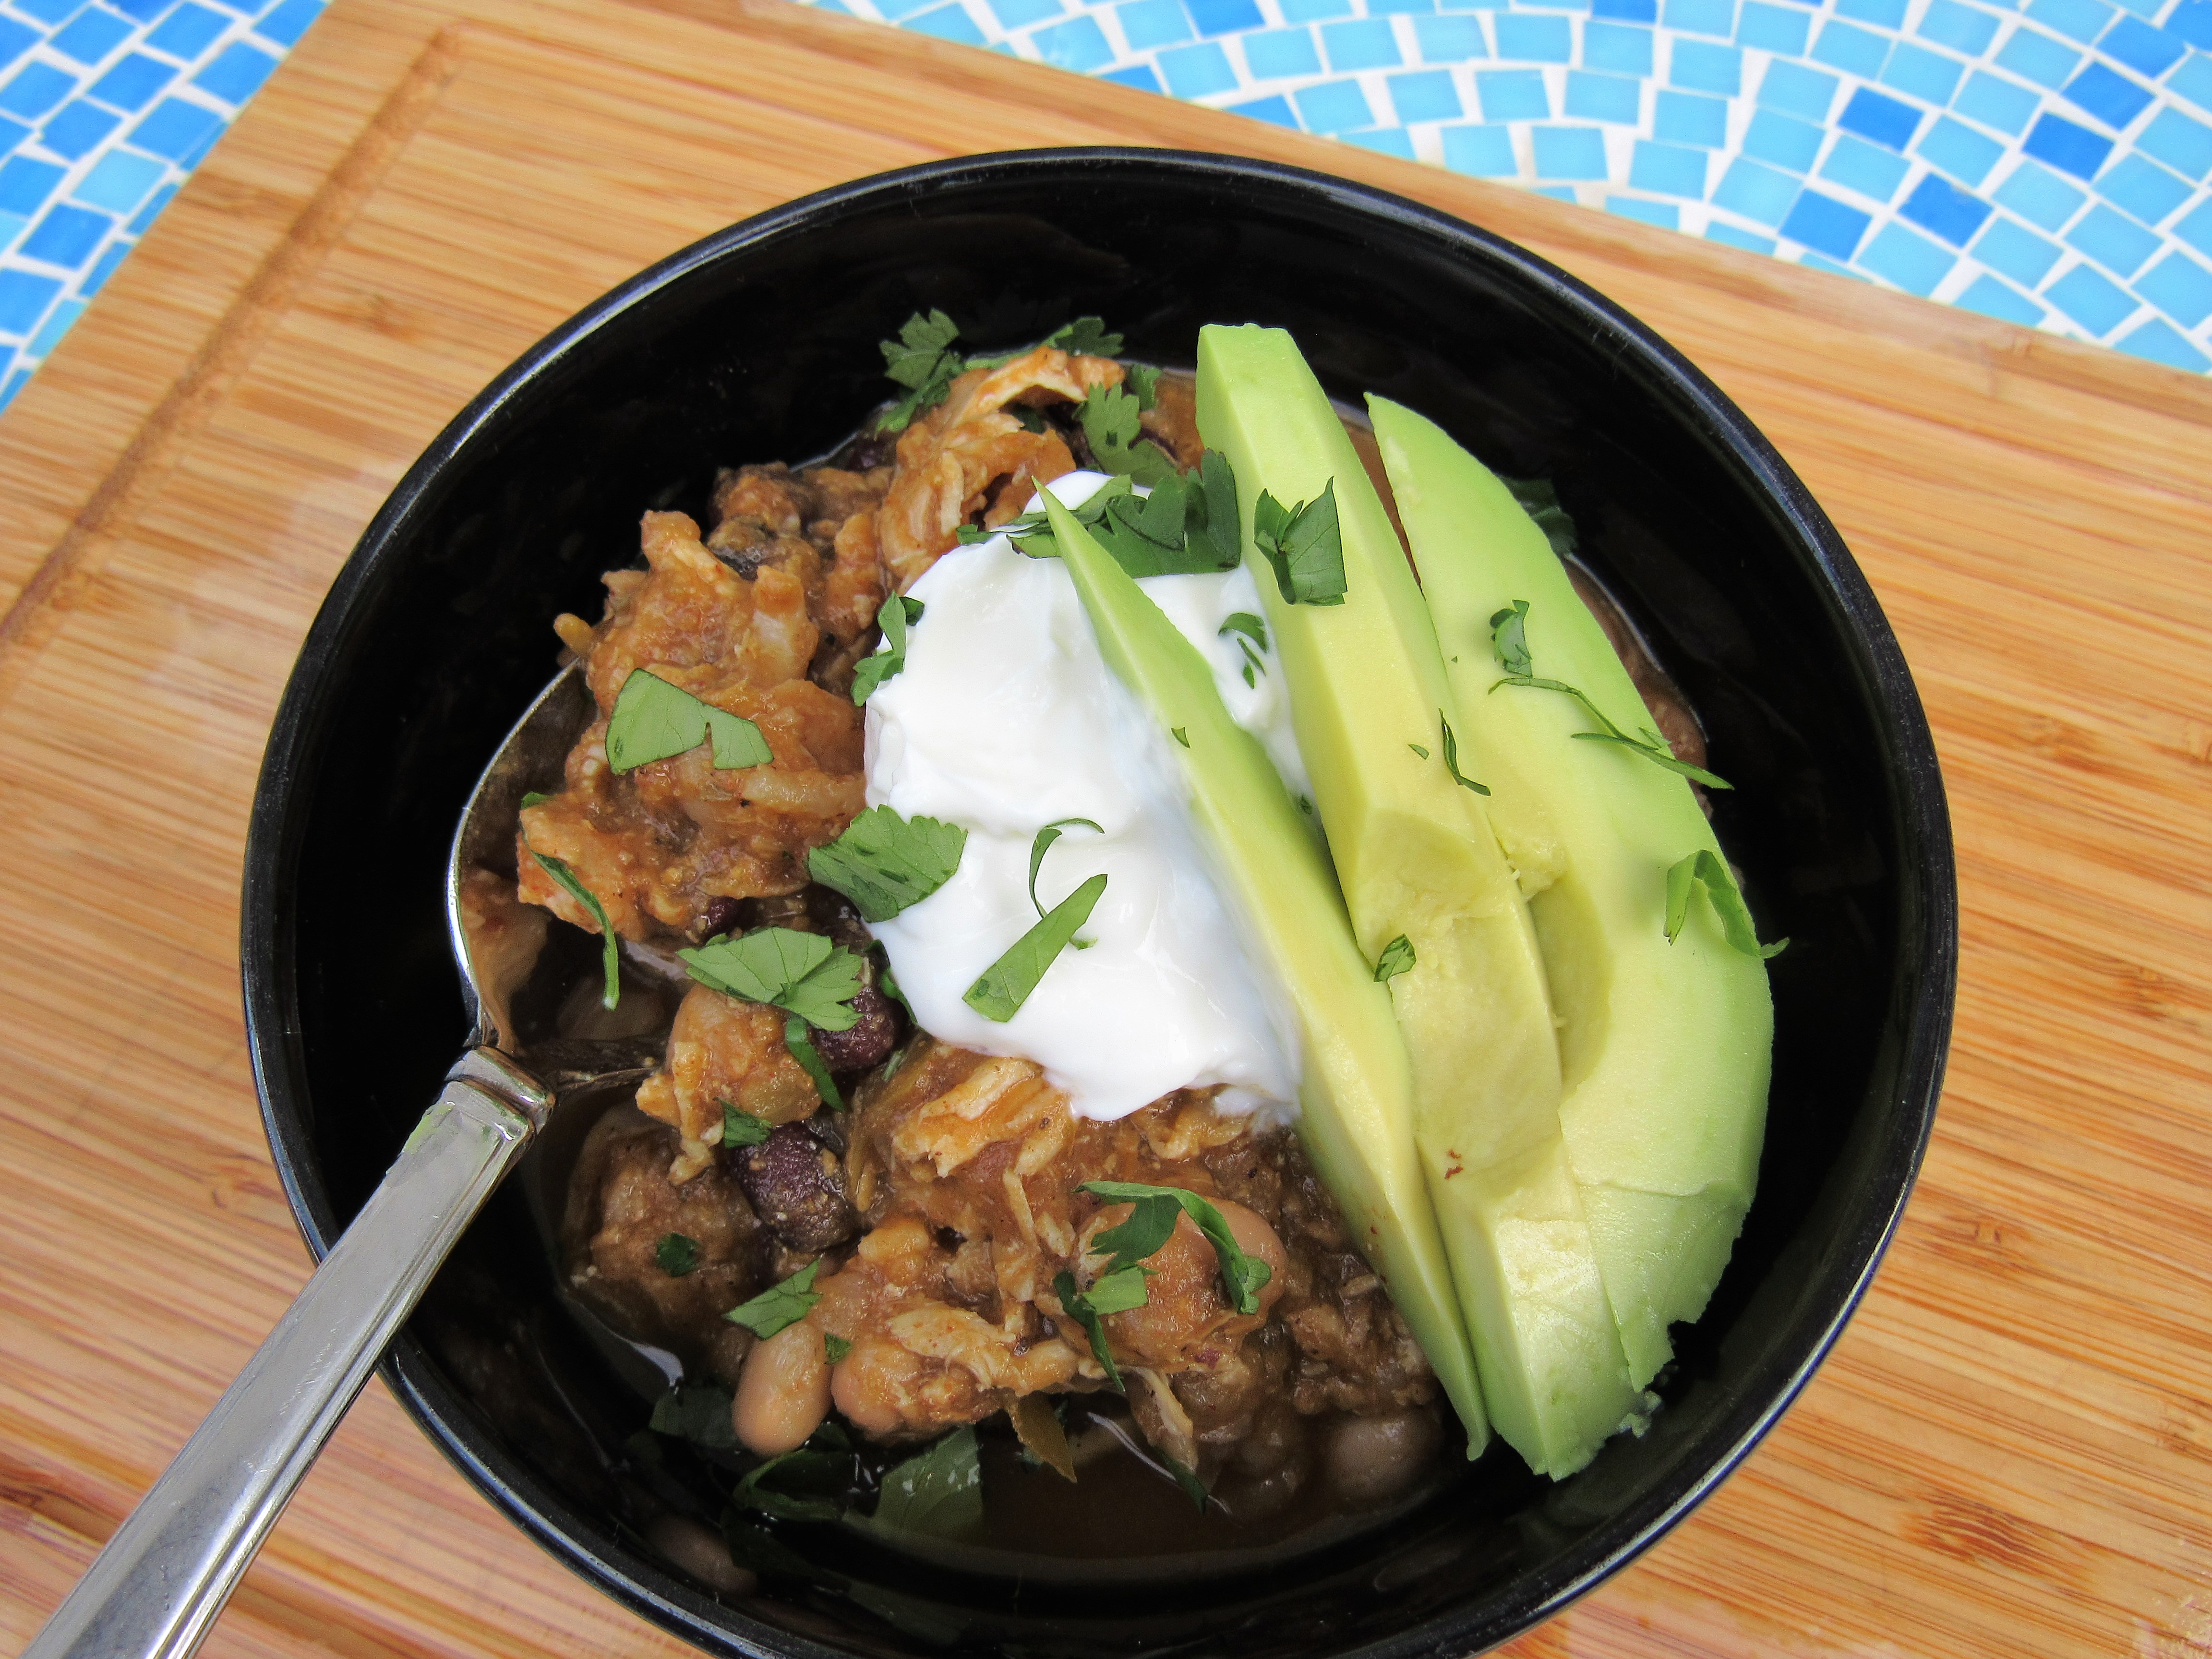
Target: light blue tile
[95, 279]
[2040, 196]
[2193, 80]
[1334, 106]
[26, 183]
[2091, 300]
[2194, 227]
[1687, 118]
[89, 36]
[2182, 144]
[1078, 44]
[57, 323]
[15, 384]
[1964, 154]
[1718, 231]
[1449, 39]
[24, 297]
[67, 236]
[1913, 263]
[1485, 152]
[2020, 253]
[1962, 28]
[1533, 39]
[1855, 51]
[237, 74]
[12, 225]
[1995, 102]
[1142, 77]
[1569, 152]
[1389, 141]
[2180, 287]
[118, 181]
[1213, 18]
[1198, 71]
[1796, 90]
[1428, 96]
[1825, 225]
[285, 24]
[74, 128]
[1665, 215]
[1391, 7]
[1921, 73]
[1787, 143]
[131, 84]
[1700, 16]
[1864, 168]
[1313, 11]
[1758, 193]
[1368, 44]
[1512, 95]
[2149, 51]
[188, 31]
[2106, 94]
[2118, 243]
[1619, 47]
[1605, 97]
[16, 39]
[1773, 28]
[1701, 66]
[1993, 299]
[36, 90]
[1668, 170]
[2038, 57]
[49, 12]
[1145, 23]
[2158, 341]
[152, 210]
[1885, 13]
[1276, 111]
[1557, 192]
[1274, 53]
[2142, 188]
[2078, 20]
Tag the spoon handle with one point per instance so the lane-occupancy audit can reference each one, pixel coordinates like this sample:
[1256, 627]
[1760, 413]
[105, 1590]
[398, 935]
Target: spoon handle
[156, 1588]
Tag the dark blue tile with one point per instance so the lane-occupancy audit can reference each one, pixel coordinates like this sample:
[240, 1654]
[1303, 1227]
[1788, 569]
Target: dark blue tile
[2108, 95]
[1941, 207]
[1219, 16]
[1626, 11]
[49, 12]
[288, 22]
[1885, 120]
[67, 235]
[24, 299]
[91, 35]
[2066, 146]
[12, 134]
[176, 128]
[25, 183]
[187, 31]
[141, 11]
[237, 75]
[1140, 76]
[16, 39]
[76, 128]
[2143, 49]
[2192, 22]
[1825, 225]
[132, 84]
[36, 90]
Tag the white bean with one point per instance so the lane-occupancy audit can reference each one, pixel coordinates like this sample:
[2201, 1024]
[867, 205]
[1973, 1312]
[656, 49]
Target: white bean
[783, 1393]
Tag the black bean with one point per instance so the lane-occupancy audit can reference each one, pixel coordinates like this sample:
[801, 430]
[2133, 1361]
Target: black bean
[867, 1041]
[721, 915]
[796, 1187]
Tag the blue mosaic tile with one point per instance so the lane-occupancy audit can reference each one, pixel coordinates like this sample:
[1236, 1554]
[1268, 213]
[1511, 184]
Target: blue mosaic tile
[1449, 39]
[1612, 46]
[2119, 244]
[2081, 19]
[1212, 17]
[2139, 186]
[188, 31]
[1335, 107]
[36, 89]
[1427, 95]
[2193, 80]
[1142, 77]
[1911, 262]
[129, 85]
[1020, 14]
[1629, 11]
[1958, 149]
[1962, 28]
[2038, 57]
[1701, 66]
[1885, 120]
[1592, 97]
[2149, 51]
[2158, 341]
[1939, 206]
[2180, 287]
[1512, 95]
[1485, 151]
[1759, 193]
[1779, 29]
[2091, 300]
[1921, 73]
[1368, 44]
[1078, 44]
[1198, 71]
[1277, 54]
[1668, 170]
[1700, 16]
[72, 130]
[2111, 97]
[1796, 90]
[1986, 294]
[1884, 13]
[1689, 117]
[1856, 165]
[2182, 144]
[2040, 196]
[1533, 36]
[1853, 50]
[91, 35]
[1389, 141]
[1996, 102]
[2067, 145]
[1570, 152]
[1786, 142]
[2192, 22]
[1826, 225]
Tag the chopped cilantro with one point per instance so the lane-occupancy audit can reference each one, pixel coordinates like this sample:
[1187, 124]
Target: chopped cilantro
[885, 863]
[1179, 735]
[1187, 1478]
[610, 952]
[1144, 383]
[802, 974]
[779, 1306]
[675, 1254]
[1418, 749]
[898, 614]
[1111, 1293]
[536, 797]
[1042, 844]
[939, 1490]
[1086, 337]
[1253, 628]
[835, 1348]
[1451, 759]
[1109, 421]
[1706, 868]
[1397, 958]
[654, 720]
[802, 1049]
[999, 993]
[697, 1411]
[922, 360]
[742, 1128]
[1153, 1219]
[1304, 544]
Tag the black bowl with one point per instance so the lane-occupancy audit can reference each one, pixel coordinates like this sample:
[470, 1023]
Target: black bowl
[759, 343]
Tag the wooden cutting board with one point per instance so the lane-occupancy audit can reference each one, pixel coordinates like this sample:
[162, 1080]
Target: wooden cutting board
[2011, 1451]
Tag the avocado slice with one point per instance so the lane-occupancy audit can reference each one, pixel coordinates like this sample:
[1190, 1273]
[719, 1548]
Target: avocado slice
[1417, 857]
[1665, 1047]
[1356, 1115]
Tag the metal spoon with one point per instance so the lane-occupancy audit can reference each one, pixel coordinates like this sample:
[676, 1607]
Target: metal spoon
[156, 1588]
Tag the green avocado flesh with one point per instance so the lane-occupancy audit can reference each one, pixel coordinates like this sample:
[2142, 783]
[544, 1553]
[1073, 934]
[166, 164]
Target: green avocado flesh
[1416, 856]
[1356, 1097]
[1664, 1048]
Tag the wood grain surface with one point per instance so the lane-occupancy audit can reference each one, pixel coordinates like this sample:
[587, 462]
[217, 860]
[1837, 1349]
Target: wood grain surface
[2010, 1452]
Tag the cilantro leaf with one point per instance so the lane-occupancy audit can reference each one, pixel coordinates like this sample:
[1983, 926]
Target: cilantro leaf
[939, 1490]
[742, 1128]
[1113, 1292]
[1187, 1478]
[835, 1348]
[1144, 383]
[654, 720]
[1042, 844]
[898, 615]
[1418, 749]
[610, 952]
[922, 360]
[802, 974]
[825, 1468]
[1451, 759]
[1109, 421]
[999, 993]
[1304, 544]
[1397, 958]
[803, 1050]
[1153, 1219]
[697, 1411]
[779, 1306]
[1509, 640]
[1707, 868]
[675, 1256]
[535, 798]
[1180, 735]
[885, 863]
[1540, 499]
[1086, 337]
[1253, 628]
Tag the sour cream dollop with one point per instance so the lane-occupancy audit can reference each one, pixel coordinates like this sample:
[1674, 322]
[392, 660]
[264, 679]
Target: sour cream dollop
[1006, 718]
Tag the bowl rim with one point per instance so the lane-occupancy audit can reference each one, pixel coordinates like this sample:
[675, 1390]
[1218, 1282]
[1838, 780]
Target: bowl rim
[1927, 922]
